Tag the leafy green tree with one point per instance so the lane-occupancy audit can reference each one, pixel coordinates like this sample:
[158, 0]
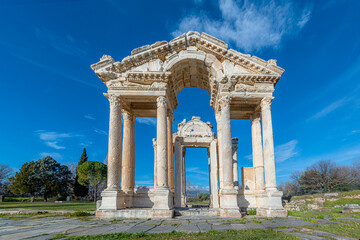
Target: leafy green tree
[92, 174]
[22, 182]
[50, 177]
[81, 190]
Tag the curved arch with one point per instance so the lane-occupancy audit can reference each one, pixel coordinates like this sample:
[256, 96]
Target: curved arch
[193, 68]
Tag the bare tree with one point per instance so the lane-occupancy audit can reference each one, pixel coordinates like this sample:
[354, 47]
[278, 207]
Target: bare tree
[289, 188]
[5, 172]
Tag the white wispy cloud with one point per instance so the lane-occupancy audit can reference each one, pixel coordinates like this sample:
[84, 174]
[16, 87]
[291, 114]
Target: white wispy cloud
[196, 170]
[99, 131]
[330, 108]
[147, 121]
[52, 139]
[89, 116]
[286, 151]
[250, 26]
[64, 43]
[46, 67]
[60, 73]
[56, 156]
[54, 144]
[50, 136]
[144, 183]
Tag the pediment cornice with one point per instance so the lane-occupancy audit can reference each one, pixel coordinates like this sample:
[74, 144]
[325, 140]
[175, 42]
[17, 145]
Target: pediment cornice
[107, 69]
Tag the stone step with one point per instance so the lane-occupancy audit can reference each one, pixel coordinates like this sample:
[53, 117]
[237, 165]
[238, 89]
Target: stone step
[197, 212]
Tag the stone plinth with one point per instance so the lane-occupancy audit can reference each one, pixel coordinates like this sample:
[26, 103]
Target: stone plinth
[163, 204]
[270, 204]
[229, 203]
[112, 200]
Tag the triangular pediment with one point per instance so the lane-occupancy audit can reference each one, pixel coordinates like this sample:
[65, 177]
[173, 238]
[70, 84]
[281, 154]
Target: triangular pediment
[151, 58]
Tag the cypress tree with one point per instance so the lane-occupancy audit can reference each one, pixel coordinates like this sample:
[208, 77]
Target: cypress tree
[80, 190]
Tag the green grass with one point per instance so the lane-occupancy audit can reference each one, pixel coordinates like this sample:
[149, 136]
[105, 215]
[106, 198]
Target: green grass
[342, 201]
[350, 193]
[349, 229]
[251, 211]
[74, 206]
[246, 234]
[198, 203]
[331, 213]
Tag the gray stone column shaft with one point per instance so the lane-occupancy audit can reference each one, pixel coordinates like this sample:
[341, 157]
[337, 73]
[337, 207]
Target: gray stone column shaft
[114, 151]
[235, 164]
[162, 152]
[257, 151]
[226, 142]
[178, 173]
[268, 143]
[127, 158]
[155, 168]
[170, 119]
[183, 178]
[132, 166]
[214, 176]
[219, 146]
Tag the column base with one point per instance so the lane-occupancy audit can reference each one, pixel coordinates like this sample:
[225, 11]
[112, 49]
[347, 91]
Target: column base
[112, 200]
[158, 213]
[163, 200]
[270, 204]
[229, 203]
[129, 198]
[183, 200]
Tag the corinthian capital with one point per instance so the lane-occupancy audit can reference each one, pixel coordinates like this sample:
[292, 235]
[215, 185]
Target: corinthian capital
[255, 116]
[127, 115]
[266, 102]
[161, 101]
[113, 99]
[225, 101]
[170, 115]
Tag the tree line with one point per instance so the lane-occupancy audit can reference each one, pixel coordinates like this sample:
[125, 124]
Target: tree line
[323, 176]
[48, 178]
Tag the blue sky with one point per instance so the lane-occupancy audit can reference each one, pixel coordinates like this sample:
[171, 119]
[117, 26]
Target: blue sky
[52, 102]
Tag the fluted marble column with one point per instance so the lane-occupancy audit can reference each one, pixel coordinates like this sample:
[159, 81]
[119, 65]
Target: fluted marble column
[127, 153]
[114, 150]
[219, 146]
[235, 161]
[170, 119]
[214, 176]
[155, 165]
[226, 142]
[112, 196]
[164, 198]
[162, 153]
[178, 173]
[258, 161]
[268, 143]
[183, 179]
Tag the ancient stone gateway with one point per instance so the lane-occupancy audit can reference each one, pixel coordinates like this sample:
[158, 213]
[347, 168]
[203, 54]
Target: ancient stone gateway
[146, 84]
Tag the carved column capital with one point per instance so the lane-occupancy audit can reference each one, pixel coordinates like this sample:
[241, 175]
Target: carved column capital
[113, 99]
[170, 116]
[224, 101]
[256, 116]
[266, 102]
[161, 101]
[127, 115]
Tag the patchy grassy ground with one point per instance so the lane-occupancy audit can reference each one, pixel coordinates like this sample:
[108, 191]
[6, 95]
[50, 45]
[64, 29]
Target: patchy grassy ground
[230, 234]
[74, 206]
